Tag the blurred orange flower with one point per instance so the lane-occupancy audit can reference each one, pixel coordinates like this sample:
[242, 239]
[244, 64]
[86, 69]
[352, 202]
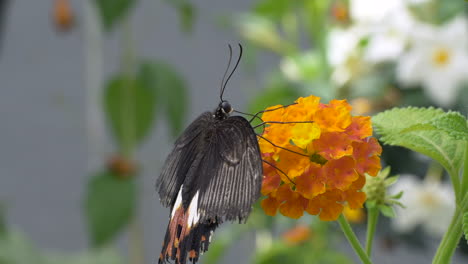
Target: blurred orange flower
[297, 235]
[324, 161]
[63, 15]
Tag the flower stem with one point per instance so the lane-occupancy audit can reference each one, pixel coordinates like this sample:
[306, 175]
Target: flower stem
[127, 148]
[452, 236]
[464, 184]
[372, 218]
[348, 231]
[316, 21]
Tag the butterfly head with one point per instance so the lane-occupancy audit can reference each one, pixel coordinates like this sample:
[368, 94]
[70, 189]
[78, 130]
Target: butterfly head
[223, 110]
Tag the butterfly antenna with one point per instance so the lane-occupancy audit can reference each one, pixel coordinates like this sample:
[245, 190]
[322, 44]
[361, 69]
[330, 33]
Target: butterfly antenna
[233, 70]
[278, 169]
[221, 89]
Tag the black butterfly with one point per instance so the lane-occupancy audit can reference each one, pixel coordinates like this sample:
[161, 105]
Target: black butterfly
[213, 174]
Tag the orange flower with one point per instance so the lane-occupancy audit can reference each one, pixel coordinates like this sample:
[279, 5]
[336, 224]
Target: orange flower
[328, 153]
[297, 235]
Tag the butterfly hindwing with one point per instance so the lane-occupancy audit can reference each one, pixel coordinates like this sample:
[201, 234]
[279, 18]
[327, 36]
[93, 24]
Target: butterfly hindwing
[188, 150]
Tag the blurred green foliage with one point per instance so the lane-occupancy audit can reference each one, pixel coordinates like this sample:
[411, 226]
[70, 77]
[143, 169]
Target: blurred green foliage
[128, 100]
[112, 11]
[110, 205]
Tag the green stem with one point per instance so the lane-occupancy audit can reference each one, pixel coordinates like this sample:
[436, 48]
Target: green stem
[464, 184]
[348, 231]
[452, 236]
[372, 218]
[128, 57]
[316, 21]
[127, 148]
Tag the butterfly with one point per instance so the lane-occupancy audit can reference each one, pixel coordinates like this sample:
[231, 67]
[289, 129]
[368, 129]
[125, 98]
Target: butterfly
[213, 174]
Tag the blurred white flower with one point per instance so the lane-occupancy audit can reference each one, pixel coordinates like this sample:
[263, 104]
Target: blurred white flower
[344, 53]
[388, 39]
[371, 11]
[437, 59]
[428, 203]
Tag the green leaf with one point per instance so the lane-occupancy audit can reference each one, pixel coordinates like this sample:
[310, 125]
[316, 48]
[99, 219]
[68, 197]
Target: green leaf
[99, 256]
[419, 130]
[274, 9]
[112, 11]
[173, 92]
[15, 248]
[387, 210]
[397, 196]
[3, 225]
[390, 181]
[465, 225]
[130, 108]
[187, 13]
[109, 206]
[453, 123]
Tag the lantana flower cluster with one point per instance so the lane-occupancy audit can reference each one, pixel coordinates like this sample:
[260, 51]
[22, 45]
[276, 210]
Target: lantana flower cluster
[321, 154]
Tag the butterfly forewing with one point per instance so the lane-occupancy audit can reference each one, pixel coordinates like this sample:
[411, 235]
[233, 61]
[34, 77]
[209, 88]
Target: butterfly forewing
[229, 176]
[185, 154]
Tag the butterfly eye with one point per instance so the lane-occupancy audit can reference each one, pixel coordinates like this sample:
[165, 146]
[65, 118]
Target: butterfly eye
[226, 106]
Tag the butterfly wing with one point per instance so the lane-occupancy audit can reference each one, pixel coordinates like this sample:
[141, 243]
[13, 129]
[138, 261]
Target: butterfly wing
[230, 174]
[188, 150]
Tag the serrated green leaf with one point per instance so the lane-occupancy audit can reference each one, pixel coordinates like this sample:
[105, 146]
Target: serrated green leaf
[387, 210]
[173, 91]
[406, 127]
[130, 108]
[109, 206]
[453, 123]
[465, 225]
[113, 10]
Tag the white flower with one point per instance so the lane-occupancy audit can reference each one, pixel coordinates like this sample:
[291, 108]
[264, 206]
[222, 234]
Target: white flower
[389, 38]
[371, 11]
[344, 53]
[437, 59]
[428, 203]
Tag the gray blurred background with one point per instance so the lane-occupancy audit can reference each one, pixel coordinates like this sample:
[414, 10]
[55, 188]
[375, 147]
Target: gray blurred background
[49, 142]
[46, 155]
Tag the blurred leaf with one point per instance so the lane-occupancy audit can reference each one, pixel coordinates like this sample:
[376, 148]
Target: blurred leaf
[101, 256]
[3, 226]
[187, 13]
[111, 11]
[447, 10]
[173, 92]
[417, 129]
[109, 206]
[465, 225]
[387, 210]
[130, 107]
[273, 9]
[392, 180]
[15, 248]
[278, 93]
